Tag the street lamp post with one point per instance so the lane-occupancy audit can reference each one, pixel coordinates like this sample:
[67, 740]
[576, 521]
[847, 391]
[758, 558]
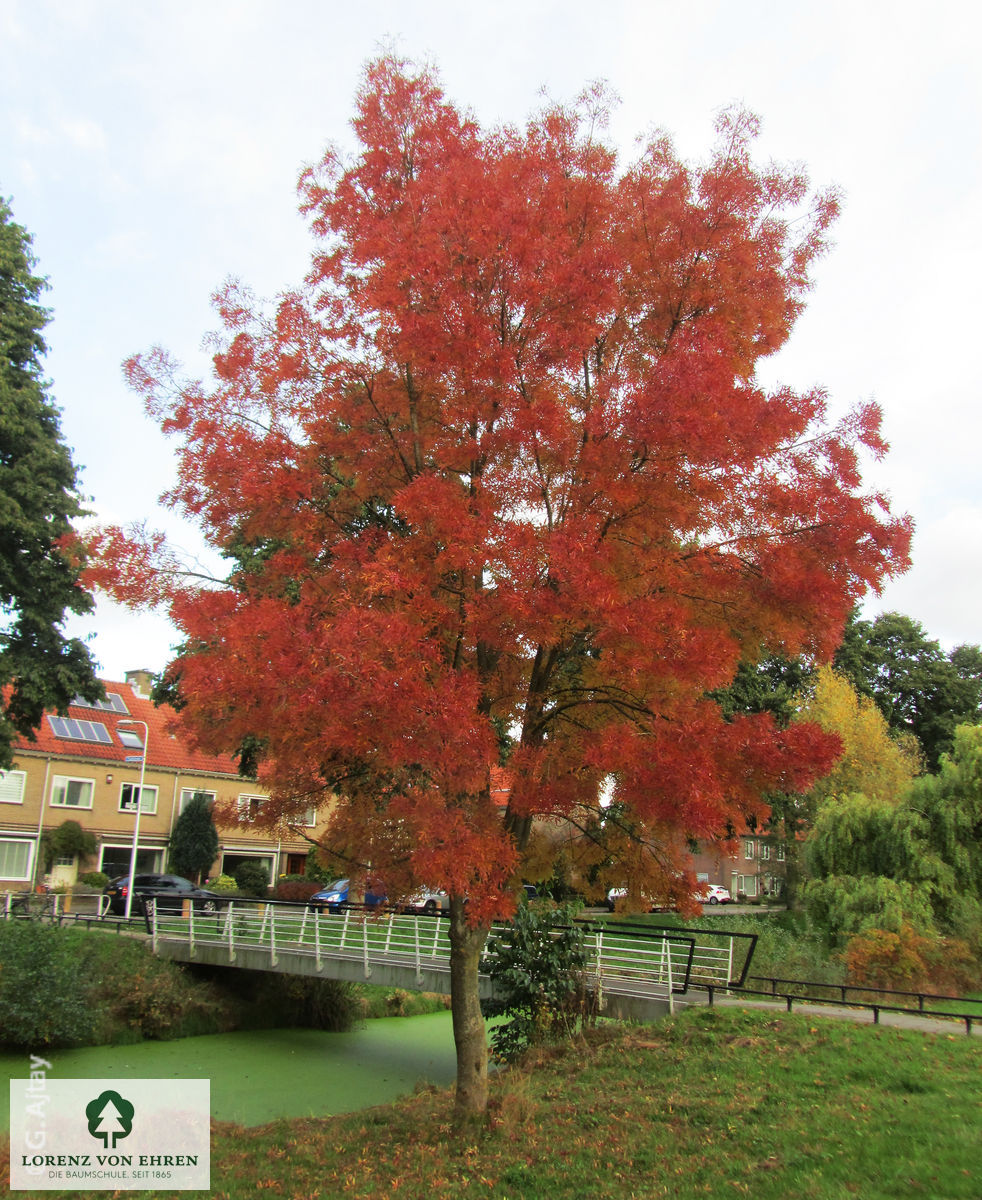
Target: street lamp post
[142, 758]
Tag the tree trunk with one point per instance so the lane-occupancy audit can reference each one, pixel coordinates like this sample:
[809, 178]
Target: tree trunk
[470, 1037]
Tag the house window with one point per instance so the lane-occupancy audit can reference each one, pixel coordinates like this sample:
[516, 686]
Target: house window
[748, 848]
[249, 806]
[71, 793]
[15, 858]
[765, 851]
[188, 794]
[128, 797]
[12, 787]
[130, 739]
[114, 859]
[748, 885]
[781, 853]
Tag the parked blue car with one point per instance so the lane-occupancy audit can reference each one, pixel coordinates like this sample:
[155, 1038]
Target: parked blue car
[335, 897]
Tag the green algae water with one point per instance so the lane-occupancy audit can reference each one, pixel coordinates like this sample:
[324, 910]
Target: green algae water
[265, 1074]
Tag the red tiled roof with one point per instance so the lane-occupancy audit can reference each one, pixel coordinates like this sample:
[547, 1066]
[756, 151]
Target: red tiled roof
[500, 786]
[164, 749]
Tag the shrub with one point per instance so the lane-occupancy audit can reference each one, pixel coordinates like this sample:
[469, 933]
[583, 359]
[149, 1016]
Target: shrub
[536, 966]
[844, 905]
[396, 1000]
[64, 987]
[910, 961]
[252, 878]
[295, 887]
[147, 997]
[95, 879]
[224, 883]
[376, 1001]
[317, 872]
[66, 841]
[43, 1001]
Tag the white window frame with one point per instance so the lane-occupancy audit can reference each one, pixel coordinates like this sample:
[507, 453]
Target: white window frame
[748, 848]
[148, 798]
[31, 848]
[188, 793]
[248, 807]
[765, 851]
[7, 791]
[265, 858]
[158, 851]
[61, 782]
[782, 853]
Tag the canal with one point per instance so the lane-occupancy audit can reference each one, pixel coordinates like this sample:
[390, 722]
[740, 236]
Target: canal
[262, 1075]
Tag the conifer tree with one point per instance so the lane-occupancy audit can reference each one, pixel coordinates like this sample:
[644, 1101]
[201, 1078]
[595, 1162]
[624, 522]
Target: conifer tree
[194, 842]
[39, 570]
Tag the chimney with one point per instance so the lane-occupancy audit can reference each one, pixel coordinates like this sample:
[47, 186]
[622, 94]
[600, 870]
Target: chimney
[140, 681]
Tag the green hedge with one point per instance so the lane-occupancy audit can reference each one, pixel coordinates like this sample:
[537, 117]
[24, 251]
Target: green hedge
[67, 987]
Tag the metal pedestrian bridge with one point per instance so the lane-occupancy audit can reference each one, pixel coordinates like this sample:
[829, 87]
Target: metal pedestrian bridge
[637, 972]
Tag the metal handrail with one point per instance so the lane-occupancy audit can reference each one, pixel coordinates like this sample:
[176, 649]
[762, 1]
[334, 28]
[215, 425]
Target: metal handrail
[875, 1007]
[844, 988]
[621, 958]
[714, 957]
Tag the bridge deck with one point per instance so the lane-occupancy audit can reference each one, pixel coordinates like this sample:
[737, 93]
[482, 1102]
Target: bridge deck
[639, 973]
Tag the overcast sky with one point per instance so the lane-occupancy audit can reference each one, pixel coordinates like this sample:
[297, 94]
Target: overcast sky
[153, 149]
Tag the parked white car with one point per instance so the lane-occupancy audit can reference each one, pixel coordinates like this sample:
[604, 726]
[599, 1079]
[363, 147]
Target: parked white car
[705, 893]
[429, 903]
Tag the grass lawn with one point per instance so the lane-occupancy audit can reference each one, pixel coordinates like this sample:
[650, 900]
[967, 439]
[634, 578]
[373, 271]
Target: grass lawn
[711, 1103]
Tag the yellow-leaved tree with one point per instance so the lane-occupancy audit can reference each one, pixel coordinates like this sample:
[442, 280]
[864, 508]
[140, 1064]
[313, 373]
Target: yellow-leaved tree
[874, 761]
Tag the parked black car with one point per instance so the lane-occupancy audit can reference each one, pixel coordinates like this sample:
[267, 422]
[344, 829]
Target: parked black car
[167, 891]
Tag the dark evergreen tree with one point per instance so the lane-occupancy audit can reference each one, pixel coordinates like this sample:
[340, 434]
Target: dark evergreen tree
[39, 578]
[194, 842]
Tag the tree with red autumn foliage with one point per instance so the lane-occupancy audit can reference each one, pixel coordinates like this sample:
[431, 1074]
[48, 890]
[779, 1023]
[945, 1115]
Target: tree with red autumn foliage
[498, 487]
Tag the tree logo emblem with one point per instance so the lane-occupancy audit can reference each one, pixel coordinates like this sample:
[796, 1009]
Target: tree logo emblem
[110, 1118]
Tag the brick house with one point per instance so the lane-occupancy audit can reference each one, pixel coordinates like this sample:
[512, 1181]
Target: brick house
[756, 869]
[85, 766]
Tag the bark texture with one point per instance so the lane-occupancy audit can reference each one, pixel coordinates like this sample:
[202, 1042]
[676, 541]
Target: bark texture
[470, 1037]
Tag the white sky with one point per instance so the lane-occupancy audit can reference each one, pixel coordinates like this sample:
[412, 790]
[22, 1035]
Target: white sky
[152, 149]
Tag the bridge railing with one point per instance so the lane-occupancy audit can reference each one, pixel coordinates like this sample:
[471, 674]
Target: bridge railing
[622, 957]
[720, 958]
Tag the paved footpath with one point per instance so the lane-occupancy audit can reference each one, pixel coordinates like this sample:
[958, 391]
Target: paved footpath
[862, 1016]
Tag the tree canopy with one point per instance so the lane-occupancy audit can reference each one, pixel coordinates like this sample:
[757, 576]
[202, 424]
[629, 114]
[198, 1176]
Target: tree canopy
[919, 688]
[498, 487]
[39, 573]
[872, 762]
[880, 865]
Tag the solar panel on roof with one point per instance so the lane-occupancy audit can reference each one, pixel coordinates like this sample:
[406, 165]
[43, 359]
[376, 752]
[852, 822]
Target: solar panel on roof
[80, 731]
[113, 702]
